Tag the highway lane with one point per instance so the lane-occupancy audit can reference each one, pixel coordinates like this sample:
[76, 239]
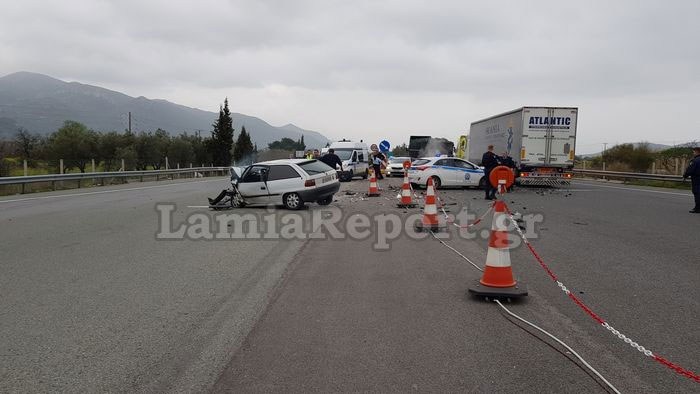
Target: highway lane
[90, 300]
[352, 319]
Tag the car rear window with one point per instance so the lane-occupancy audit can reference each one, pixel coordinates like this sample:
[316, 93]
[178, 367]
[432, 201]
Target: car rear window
[314, 167]
[420, 162]
[282, 172]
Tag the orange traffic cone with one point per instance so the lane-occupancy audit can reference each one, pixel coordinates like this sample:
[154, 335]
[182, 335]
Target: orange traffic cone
[497, 280]
[373, 188]
[430, 220]
[406, 200]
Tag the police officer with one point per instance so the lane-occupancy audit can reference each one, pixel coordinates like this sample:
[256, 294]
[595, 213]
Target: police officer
[507, 160]
[693, 172]
[490, 161]
[332, 160]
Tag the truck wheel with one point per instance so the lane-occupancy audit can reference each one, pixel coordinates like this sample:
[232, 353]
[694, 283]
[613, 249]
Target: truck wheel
[436, 182]
[293, 201]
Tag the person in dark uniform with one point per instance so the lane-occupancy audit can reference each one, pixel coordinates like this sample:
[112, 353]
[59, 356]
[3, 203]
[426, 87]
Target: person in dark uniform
[507, 160]
[332, 160]
[693, 172]
[490, 161]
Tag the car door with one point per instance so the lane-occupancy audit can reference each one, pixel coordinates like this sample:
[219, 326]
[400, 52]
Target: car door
[283, 179]
[469, 173]
[253, 186]
[445, 169]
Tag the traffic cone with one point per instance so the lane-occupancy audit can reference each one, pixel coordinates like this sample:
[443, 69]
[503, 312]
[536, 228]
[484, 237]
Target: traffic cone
[497, 280]
[373, 188]
[430, 220]
[406, 200]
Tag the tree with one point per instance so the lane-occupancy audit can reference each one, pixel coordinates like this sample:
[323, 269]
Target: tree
[73, 143]
[641, 157]
[108, 147]
[222, 137]
[400, 150]
[287, 144]
[180, 151]
[243, 151]
[26, 143]
[637, 158]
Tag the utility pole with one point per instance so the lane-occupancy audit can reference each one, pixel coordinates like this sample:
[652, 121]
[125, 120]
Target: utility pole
[129, 122]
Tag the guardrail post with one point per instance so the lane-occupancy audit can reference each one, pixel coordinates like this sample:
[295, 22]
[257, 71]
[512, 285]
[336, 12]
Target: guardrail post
[26, 172]
[123, 166]
[60, 165]
[93, 170]
[604, 170]
[166, 162]
[653, 168]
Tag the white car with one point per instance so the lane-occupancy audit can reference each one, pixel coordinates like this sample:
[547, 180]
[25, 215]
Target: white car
[395, 167]
[446, 171]
[291, 183]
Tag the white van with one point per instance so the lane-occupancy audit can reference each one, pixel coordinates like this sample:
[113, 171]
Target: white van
[355, 157]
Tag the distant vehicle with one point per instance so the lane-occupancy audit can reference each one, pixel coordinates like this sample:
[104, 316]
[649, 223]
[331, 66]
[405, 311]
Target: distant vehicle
[291, 183]
[446, 171]
[395, 167]
[423, 146]
[541, 141]
[355, 157]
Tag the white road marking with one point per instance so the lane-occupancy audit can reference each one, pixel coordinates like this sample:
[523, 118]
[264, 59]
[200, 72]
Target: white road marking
[637, 190]
[106, 191]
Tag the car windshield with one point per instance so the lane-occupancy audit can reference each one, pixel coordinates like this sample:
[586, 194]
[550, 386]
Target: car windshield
[344, 154]
[398, 159]
[314, 167]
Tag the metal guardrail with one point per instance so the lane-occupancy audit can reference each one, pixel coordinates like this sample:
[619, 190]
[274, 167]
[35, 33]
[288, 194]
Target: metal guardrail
[14, 180]
[53, 178]
[630, 175]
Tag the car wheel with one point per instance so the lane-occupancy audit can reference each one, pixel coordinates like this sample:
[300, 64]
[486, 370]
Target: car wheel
[436, 182]
[482, 182]
[366, 174]
[293, 201]
[325, 201]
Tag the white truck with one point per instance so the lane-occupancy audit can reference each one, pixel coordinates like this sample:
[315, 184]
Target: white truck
[541, 141]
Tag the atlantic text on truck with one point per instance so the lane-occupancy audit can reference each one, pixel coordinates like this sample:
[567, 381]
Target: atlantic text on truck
[541, 141]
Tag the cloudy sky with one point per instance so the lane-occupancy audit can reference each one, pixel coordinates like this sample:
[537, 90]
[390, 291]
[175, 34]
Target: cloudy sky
[381, 69]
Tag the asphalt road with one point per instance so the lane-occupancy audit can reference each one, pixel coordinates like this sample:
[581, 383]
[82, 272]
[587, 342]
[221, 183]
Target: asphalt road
[90, 300]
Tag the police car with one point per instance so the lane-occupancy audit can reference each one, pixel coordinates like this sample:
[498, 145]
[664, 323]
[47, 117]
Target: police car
[446, 171]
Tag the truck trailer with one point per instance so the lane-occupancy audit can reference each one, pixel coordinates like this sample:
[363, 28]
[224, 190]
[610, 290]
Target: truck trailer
[541, 141]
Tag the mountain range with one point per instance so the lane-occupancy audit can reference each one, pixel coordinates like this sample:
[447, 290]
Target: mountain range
[40, 104]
